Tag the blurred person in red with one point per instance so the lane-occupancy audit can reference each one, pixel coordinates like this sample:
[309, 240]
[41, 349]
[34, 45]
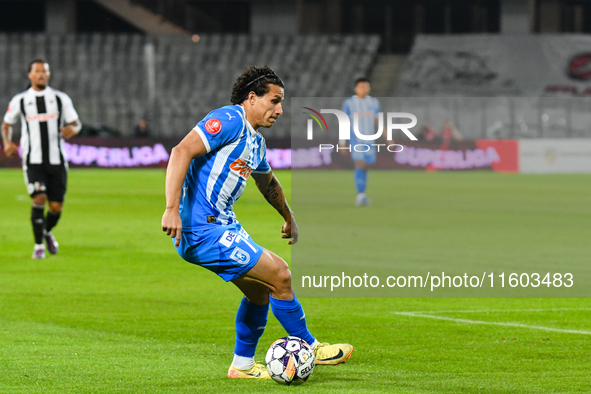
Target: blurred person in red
[427, 133]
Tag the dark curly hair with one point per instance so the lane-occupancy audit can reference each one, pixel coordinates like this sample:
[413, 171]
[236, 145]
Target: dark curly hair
[361, 79]
[254, 79]
[35, 61]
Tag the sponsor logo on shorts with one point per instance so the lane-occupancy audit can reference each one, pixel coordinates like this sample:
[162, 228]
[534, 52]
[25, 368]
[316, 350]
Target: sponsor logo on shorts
[36, 187]
[228, 238]
[213, 126]
[243, 233]
[240, 256]
[241, 237]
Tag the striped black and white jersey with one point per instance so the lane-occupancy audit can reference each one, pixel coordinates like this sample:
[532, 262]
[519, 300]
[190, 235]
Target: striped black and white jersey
[41, 114]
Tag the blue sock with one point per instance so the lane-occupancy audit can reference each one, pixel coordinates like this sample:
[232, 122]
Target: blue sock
[360, 179]
[291, 316]
[251, 320]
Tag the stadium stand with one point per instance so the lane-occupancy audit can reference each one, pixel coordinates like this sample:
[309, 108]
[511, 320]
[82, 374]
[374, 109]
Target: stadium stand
[500, 86]
[109, 76]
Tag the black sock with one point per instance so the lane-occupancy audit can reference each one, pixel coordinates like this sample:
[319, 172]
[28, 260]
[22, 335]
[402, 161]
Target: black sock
[38, 222]
[51, 220]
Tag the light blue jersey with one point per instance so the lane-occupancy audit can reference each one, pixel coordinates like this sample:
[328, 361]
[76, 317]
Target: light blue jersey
[367, 109]
[217, 179]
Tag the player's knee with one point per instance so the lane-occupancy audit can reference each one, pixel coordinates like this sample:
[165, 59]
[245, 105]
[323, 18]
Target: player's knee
[283, 282]
[283, 273]
[284, 277]
[39, 199]
[55, 207]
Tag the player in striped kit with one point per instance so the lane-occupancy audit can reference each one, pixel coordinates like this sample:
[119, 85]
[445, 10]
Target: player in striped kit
[367, 109]
[47, 118]
[206, 174]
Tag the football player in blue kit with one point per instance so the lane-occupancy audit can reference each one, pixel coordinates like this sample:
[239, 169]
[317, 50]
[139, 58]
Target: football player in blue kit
[206, 174]
[367, 109]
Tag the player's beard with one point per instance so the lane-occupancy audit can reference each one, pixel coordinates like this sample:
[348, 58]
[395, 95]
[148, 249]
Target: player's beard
[40, 83]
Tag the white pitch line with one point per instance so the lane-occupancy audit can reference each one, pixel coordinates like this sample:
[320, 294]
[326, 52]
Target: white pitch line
[500, 310]
[467, 321]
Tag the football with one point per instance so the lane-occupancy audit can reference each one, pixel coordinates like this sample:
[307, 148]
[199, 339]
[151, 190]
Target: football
[290, 361]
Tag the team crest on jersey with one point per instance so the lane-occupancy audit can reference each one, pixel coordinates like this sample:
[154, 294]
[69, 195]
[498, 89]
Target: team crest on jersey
[241, 168]
[213, 126]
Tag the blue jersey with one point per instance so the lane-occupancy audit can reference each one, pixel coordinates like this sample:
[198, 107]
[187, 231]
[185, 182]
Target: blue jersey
[367, 110]
[217, 179]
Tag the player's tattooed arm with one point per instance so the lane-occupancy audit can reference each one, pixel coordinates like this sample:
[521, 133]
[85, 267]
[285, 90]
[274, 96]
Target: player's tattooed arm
[269, 186]
[271, 189]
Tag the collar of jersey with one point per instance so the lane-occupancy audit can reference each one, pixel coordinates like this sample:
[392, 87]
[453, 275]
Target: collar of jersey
[41, 93]
[249, 127]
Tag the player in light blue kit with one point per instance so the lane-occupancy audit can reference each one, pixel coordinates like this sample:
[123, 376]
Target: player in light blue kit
[367, 109]
[206, 174]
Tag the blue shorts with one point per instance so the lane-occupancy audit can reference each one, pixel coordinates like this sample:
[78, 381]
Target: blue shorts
[226, 250]
[360, 155]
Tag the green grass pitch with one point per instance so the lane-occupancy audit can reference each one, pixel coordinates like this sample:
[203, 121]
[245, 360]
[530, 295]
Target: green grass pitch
[118, 311]
[458, 223]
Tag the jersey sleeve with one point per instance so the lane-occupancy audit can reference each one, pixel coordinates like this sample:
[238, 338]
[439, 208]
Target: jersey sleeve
[346, 108]
[220, 127]
[14, 111]
[69, 114]
[264, 167]
[378, 107]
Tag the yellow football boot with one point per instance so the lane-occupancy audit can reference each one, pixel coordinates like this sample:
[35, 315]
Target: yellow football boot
[332, 354]
[257, 371]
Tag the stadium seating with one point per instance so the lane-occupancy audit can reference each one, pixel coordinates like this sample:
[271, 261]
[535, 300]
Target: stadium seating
[499, 86]
[108, 75]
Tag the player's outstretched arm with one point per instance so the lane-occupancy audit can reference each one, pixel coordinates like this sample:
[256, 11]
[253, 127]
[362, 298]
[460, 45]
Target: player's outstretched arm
[180, 158]
[9, 146]
[269, 186]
